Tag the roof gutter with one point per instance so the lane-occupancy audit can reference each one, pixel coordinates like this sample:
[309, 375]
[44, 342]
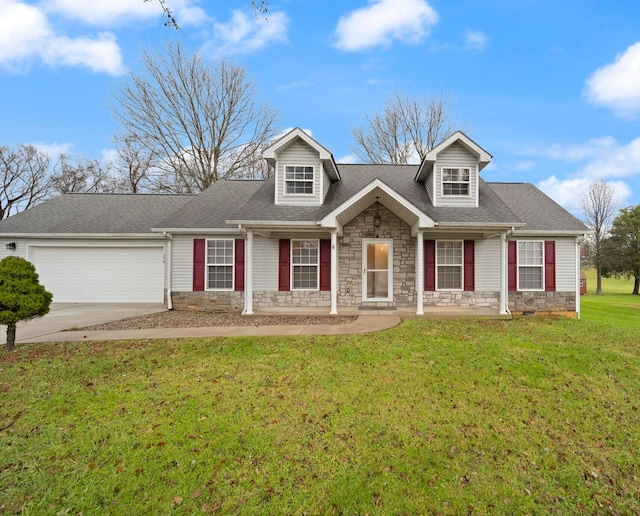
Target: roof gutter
[169, 238]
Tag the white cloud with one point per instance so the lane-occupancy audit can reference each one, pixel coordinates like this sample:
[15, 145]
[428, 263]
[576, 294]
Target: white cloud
[25, 35]
[568, 192]
[617, 85]
[476, 41]
[53, 150]
[245, 33]
[384, 21]
[117, 12]
[522, 166]
[605, 157]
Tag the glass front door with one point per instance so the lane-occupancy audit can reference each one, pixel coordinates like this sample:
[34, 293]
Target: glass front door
[377, 276]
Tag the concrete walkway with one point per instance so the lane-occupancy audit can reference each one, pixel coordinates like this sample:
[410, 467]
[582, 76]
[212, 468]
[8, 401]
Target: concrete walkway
[363, 324]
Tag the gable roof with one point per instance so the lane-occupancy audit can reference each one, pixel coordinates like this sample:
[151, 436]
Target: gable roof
[83, 213]
[458, 137]
[260, 208]
[271, 152]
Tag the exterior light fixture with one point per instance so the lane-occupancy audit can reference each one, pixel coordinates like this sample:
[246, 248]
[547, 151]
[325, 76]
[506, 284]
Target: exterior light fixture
[377, 219]
[11, 246]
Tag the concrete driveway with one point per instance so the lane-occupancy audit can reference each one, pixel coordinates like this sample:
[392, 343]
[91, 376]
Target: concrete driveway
[64, 316]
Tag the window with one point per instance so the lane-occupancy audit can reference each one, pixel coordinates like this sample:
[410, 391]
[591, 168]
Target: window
[299, 180]
[220, 264]
[305, 256]
[455, 181]
[449, 264]
[530, 265]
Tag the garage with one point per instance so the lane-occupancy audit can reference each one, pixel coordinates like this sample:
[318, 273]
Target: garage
[110, 274]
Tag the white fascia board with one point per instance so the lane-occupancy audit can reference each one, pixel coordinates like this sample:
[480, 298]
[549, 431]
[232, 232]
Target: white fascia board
[278, 224]
[194, 231]
[104, 236]
[479, 225]
[557, 233]
[331, 219]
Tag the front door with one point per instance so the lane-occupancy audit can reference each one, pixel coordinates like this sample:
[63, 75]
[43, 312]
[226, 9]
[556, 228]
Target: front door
[377, 270]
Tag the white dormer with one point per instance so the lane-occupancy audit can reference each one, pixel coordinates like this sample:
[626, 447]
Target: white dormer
[450, 171]
[303, 168]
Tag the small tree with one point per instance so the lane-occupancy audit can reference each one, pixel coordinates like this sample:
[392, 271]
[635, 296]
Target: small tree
[598, 207]
[21, 295]
[622, 248]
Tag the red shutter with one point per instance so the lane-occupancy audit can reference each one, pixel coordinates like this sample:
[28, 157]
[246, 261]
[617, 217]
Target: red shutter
[284, 272]
[550, 266]
[429, 265]
[199, 252]
[512, 265]
[469, 265]
[325, 264]
[239, 265]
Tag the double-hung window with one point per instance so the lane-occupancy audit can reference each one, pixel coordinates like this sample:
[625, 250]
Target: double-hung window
[305, 264]
[220, 264]
[530, 265]
[455, 181]
[449, 264]
[299, 180]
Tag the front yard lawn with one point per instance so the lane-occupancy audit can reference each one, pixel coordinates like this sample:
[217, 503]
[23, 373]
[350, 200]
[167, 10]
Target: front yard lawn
[532, 416]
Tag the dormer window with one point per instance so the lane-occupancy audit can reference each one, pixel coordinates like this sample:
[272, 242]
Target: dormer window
[455, 181]
[299, 180]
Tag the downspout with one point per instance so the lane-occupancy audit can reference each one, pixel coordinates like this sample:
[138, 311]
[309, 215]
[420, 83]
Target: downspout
[169, 238]
[504, 266]
[578, 307]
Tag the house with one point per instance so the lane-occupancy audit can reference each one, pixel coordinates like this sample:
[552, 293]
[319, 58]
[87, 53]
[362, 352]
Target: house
[315, 234]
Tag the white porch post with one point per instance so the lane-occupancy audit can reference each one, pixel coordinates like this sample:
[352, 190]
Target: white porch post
[577, 277]
[504, 294]
[334, 273]
[248, 274]
[420, 274]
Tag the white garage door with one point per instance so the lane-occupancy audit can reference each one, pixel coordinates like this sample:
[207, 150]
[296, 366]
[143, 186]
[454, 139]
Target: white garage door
[101, 274]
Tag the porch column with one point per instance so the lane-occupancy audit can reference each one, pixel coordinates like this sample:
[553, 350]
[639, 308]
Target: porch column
[578, 277]
[504, 293]
[334, 272]
[420, 274]
[248, 274]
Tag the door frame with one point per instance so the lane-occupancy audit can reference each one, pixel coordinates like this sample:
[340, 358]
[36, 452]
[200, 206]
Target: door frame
[389, 242]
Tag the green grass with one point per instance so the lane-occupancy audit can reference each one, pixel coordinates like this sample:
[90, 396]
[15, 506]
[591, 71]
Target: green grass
[532, 416]
[616, 306]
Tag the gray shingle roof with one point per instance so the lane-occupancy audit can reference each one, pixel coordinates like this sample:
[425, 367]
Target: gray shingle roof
[538, 211]
[500, 203]
[212, 207]
[95, 213]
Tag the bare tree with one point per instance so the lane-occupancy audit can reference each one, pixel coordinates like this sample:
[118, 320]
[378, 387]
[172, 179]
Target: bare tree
[406, 131]
[23, 172]
[83, 175]
[259, 6]
[134, 164]
[201, 121]
[598, 207]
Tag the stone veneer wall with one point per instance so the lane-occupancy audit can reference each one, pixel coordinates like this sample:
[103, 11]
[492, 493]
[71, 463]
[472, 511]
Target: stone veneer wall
[350, 258]
[443, 298]
[542, 301]
[294, 298]
[212, 301]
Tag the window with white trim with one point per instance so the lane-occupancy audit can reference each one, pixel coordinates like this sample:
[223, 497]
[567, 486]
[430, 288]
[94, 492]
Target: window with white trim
[220, 264]
[449, 264]
[299, 180]
[455, 181]
[530, 265]
[305, 264]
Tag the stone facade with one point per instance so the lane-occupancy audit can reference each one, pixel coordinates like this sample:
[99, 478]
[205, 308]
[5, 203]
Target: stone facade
[291, 298]
[350, 266]
[542, 302]
[212, 301]
[444, 298]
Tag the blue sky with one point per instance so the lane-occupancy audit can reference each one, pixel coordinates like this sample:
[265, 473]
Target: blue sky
[550, 88]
